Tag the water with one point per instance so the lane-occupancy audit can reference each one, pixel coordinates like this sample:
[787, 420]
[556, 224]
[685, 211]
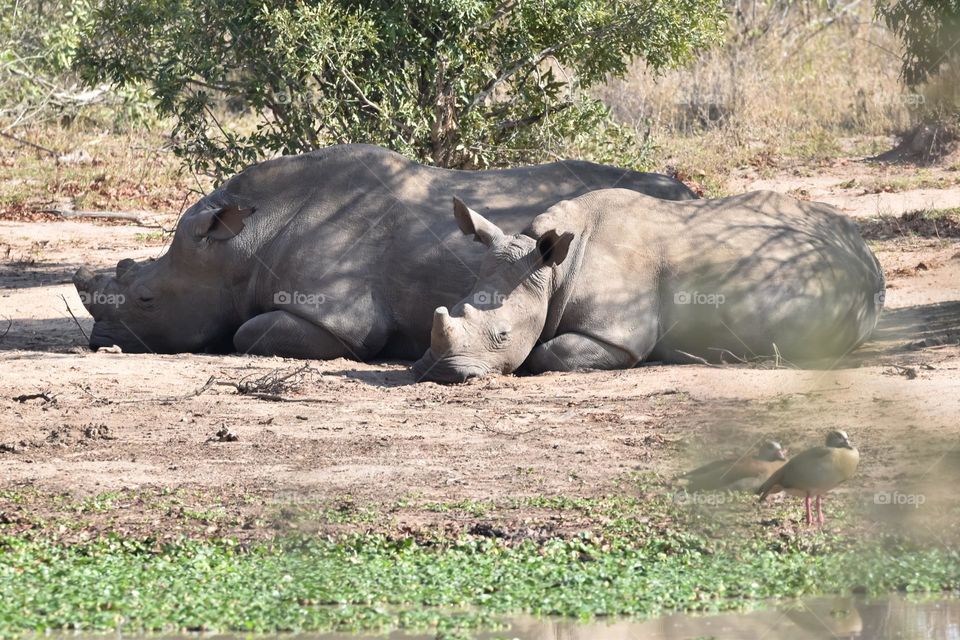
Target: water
[891, 617]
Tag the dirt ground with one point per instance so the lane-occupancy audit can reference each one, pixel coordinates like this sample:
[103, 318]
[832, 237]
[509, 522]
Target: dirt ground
[147, 424]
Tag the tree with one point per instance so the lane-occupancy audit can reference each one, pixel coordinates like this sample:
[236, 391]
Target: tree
[457, 83]
[930, 31]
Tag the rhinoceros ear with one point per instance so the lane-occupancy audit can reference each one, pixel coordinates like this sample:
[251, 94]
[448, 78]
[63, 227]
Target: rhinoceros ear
[125, 269]
[472, 223]
[221, 223]
[553, 246]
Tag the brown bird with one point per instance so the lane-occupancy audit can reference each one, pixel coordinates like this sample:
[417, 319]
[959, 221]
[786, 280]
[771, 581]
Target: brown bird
[815, 471]
[724, 474]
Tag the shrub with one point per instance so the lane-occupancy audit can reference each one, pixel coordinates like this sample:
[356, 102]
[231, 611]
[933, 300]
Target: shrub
[457, 83]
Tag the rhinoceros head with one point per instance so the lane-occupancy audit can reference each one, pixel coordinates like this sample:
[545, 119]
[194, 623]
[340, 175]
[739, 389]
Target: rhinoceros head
[496, 326]
[179, 302]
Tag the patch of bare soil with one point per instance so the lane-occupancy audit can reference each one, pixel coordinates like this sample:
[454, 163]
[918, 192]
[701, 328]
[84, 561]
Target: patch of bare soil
[862, 187]
[198, 444]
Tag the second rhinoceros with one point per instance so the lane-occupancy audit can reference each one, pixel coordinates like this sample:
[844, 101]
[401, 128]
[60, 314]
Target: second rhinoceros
[613, 278]
[341, 252]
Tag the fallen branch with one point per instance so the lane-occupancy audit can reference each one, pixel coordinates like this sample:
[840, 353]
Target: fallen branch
[814, 392]
[163, 399]
[936, 346]
[729, 353]
[130, 216]
[272, 384]
[29, 144]
[70, 311]
[105, 215]
[907, 372]
[33, 396]
[698, 359]
[272, 397]
[509, 434]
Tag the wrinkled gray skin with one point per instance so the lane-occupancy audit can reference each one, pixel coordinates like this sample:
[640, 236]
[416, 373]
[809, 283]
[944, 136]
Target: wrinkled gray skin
[613, 278]
[343, 252]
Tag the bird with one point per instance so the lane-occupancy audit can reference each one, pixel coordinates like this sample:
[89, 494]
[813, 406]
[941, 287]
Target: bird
[815, 472]
[734, 472]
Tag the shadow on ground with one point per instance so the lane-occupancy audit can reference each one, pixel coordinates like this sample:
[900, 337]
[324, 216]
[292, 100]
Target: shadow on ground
[901, 336]
[908, 330]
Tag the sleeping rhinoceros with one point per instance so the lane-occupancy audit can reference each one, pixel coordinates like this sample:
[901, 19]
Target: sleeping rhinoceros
[613, 278]
[345, 251]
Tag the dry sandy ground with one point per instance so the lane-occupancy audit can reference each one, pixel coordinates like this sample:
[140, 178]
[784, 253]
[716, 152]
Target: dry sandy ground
[145, 422]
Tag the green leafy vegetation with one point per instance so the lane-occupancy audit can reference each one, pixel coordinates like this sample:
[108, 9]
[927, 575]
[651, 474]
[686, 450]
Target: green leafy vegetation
[635, 556]
[371, 582]
[929, 30]
[457, 83]
[38, 46]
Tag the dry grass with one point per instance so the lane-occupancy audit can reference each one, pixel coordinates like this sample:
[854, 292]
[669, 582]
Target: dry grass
[794, 81]
[90, 169]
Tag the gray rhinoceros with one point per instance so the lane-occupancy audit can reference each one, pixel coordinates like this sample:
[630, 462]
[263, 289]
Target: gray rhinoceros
[613, 277]
[339, 252]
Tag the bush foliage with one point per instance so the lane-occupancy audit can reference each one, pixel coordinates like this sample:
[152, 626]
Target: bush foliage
[38, 84]
[930, 31]
[456, 83]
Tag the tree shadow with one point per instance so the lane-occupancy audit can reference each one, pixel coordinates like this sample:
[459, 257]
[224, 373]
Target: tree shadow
[385, 378]
[909, 330]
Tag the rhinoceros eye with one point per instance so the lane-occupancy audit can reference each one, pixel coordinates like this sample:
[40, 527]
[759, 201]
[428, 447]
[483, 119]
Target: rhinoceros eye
[144, 296]
[501, 335]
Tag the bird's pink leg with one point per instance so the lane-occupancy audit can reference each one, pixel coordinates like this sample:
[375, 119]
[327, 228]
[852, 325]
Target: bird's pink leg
[806, 501]
[820, 517]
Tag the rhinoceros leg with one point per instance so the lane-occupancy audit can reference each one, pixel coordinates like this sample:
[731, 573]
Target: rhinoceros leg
[572, 351]
[279, 333]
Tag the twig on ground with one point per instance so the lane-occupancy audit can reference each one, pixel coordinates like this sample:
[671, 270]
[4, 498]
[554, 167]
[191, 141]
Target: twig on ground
[814, 392]
[272, 397]
[729, 353]
[70, 311]
[909, 373]
[27, 143]
[703, 361]
[132, 216]
[509, 434]
[272, 383]
[46, 397]
[931, 348]
[162, 399]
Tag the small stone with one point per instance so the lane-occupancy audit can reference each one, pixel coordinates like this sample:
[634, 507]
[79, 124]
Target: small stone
[224, 435]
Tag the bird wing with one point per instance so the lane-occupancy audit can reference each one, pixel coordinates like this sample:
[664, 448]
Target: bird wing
[814, 471]
[771, 483]
[709, 468]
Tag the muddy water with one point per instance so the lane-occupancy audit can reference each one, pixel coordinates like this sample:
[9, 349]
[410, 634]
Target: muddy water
[893, 617]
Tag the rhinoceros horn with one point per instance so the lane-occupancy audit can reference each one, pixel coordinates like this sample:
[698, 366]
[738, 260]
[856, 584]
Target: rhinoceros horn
[84, 280]
[443, 331]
